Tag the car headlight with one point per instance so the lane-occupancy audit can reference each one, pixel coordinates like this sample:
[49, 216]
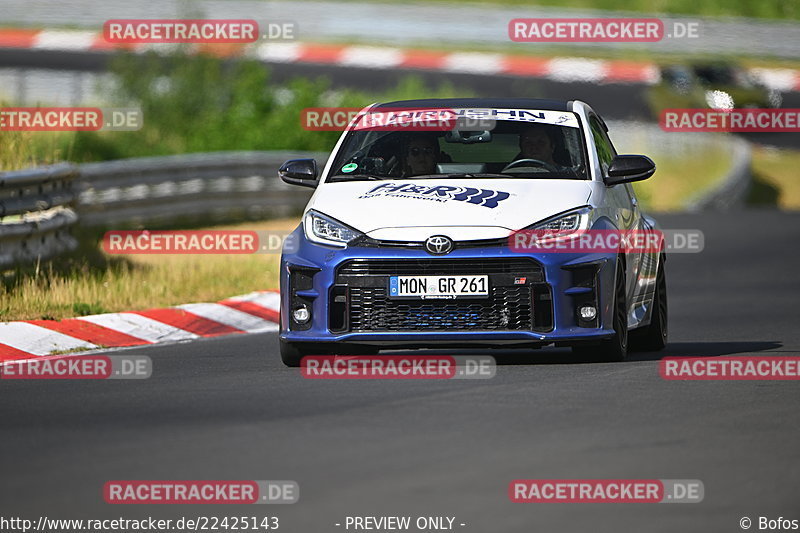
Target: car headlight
[563, 226]
[323, 229]
[565, 223]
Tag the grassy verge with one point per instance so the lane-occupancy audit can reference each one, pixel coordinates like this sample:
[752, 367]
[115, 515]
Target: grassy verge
[106, 284]
[199, 103]
[25, 149]
[775, 180]
[774, 9]
[684, 168]
[678, 180]
[768, 9]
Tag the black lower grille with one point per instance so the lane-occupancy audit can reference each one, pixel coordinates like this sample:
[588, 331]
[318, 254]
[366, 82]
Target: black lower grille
[506, 309]
[519, 298]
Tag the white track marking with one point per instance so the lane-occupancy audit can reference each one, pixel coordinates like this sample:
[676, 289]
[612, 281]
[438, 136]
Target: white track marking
[37, 340]
[270, 300]
[476, 62]
[366, 56]
[64, 40]
[140, 327]
[231, 317]
[278, 52]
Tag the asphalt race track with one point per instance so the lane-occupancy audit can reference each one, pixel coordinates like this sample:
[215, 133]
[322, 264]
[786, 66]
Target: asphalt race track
[226, 408]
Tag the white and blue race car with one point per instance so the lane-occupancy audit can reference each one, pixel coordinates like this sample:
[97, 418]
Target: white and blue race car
[405, 242]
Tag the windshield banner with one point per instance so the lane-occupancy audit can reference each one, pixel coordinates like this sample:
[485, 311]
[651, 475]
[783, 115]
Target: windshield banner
[425, 119]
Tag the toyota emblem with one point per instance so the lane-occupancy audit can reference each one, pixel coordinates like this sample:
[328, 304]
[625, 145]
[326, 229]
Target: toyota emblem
[439, 245]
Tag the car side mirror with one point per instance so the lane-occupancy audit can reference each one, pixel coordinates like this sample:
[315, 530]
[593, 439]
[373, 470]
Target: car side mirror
[301, 172]
[627, 168]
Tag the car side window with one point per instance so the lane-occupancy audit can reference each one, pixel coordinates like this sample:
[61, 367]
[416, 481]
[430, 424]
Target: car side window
[605, 150]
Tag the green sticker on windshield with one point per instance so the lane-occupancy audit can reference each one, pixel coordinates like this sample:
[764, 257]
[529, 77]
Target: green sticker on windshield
[349, 167]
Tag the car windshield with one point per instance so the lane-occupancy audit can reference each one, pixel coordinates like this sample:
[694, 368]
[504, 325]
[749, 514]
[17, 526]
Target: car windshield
[524, 144]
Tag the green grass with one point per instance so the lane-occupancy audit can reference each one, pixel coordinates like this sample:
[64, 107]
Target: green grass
[200, 103]
[95, 282]
[679, 180]
[684, 168]
[25, 149]
[772, 9]
[775, 178]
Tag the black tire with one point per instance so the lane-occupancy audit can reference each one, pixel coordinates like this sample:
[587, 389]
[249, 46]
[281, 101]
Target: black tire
[614, 349]
[292, 353]
[653, 337]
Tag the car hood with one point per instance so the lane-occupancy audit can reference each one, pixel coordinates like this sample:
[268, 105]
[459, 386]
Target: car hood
[463, 209]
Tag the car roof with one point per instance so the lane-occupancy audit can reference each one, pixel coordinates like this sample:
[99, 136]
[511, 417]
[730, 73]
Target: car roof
[499, 103]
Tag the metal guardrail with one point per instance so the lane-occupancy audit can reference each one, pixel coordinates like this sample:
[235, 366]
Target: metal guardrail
[188, 188]
[38, 206]
[36, 213]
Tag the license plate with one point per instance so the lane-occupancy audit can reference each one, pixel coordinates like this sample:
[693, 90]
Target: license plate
[438, 287]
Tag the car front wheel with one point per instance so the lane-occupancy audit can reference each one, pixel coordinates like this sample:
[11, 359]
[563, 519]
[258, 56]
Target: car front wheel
[614, 349]
[292, 353]
[653, 337]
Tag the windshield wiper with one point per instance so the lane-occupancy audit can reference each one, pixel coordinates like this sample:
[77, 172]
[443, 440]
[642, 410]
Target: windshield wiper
[355, 177]
[479, 175]
[457, 175]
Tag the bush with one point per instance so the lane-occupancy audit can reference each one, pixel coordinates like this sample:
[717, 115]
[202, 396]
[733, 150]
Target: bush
[200, 103]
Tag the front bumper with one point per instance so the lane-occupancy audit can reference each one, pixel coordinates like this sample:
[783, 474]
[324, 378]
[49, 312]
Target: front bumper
[534, 298]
